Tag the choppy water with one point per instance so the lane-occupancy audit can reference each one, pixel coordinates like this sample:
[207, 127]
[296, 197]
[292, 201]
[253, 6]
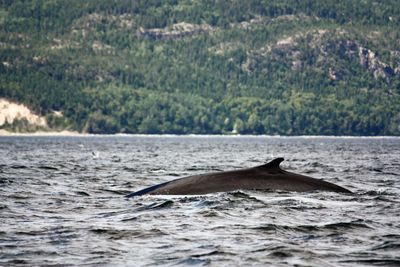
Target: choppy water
[61, 203]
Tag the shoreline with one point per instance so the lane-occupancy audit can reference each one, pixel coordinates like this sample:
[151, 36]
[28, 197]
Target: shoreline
[4, 133]
[40, 133]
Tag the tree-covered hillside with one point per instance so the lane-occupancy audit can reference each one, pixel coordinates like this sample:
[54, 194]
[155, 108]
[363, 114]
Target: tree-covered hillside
[285, 67]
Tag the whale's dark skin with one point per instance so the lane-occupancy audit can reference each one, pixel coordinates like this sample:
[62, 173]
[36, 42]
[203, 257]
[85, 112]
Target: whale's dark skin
[265, 177]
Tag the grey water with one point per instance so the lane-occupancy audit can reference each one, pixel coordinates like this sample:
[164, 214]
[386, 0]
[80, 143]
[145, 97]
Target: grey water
[62, 203]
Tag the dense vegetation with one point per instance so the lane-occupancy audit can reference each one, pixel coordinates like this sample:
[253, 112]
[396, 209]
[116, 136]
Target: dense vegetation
[245, 66]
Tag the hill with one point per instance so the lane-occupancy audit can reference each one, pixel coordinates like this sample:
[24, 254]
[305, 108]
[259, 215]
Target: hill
[178, 66]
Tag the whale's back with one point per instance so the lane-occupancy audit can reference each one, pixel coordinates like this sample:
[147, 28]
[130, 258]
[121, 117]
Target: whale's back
[265, 177]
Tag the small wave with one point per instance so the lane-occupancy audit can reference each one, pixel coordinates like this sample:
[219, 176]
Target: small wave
[394, 236]
[115, 159]
[314, 228]
[128, 169]
[116, 234]
[114, 191]
[205, 169]
[44, 167]
[157, 170]
[194, 262]
[206, 203]
[376, 262]
[316, 164]
[21, 196]
[280, 254]
[388, 245]
[210, 214]
[376, 169]
[156, 206]
[5, 181]
[376, 193]
[19, 167]
[345, 225]
[244, 196]
[82, 193]
[18, 262]
[31, 233]
[174, 174]
[211, 253]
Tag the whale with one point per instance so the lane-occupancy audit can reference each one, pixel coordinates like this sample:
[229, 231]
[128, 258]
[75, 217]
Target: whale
[264, 177]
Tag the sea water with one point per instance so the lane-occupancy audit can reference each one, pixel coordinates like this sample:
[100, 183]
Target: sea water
[62, 202]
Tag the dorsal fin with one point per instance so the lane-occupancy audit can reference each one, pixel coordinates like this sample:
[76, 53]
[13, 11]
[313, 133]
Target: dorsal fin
[273, 164]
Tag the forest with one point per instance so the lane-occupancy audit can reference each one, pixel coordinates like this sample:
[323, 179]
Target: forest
[278, 67]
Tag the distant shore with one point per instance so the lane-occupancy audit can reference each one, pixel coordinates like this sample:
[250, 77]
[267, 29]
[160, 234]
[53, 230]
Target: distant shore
[4, 133]
[41, 133]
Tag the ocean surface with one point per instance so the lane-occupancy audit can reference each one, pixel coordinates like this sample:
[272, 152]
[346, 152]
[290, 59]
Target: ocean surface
[62, 202]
